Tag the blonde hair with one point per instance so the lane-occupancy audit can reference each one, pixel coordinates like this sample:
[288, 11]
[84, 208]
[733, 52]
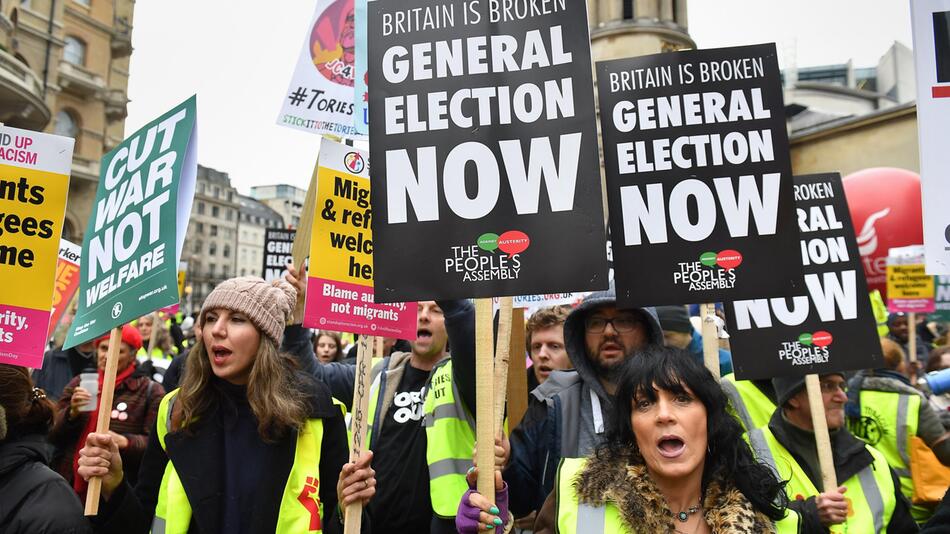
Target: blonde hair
[275, 395]
[893, 353]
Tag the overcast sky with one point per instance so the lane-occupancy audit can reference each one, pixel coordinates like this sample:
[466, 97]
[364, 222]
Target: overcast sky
[238, 57]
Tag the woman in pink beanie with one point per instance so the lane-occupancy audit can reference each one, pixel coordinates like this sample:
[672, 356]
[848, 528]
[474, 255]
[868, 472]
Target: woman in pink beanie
[247, 443]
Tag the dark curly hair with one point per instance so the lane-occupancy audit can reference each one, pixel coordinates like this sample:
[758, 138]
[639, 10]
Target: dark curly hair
[729, 457]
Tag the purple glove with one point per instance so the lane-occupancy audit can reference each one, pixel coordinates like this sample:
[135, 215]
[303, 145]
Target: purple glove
[467, 520]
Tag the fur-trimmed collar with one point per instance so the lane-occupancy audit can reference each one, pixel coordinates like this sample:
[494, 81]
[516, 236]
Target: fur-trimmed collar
[643, 509]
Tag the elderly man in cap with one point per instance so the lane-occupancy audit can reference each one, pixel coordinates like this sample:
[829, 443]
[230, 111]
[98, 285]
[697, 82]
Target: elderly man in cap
[868, 498]
[566, 414]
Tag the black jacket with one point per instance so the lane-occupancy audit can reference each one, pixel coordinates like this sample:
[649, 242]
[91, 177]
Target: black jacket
[850, 456]
[197, 459]
[34, 499]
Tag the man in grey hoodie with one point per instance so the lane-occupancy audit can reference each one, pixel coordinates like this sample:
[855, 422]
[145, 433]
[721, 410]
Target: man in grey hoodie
[566, 417]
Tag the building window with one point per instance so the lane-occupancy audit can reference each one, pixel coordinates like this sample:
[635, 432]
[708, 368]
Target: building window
[217, 191]
[243, 272]
[66, 124]
[215, 211]
[212, 248]
[230, 196]
[75, 51]
[228, 214]
[214, 230]
[200, 227]
[226, 252]
[201, 208]
[201, 187]
[225, 271]
[210, 270]
[84, 2]
[628, 9]
[198, 245]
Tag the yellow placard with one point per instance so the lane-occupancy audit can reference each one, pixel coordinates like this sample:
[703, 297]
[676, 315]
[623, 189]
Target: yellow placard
[909, 282]
[32, 203]
[341, 243]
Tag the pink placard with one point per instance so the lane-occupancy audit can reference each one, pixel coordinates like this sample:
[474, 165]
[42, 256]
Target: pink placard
[911, 305]
[22, 335]
[345, 307]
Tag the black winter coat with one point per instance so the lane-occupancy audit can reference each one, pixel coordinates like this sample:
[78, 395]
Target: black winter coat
[34, 499]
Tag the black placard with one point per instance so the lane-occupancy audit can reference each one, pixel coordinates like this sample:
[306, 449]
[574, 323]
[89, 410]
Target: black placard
[277, 252]
[829, 326]
[485, 178]
[699, 182]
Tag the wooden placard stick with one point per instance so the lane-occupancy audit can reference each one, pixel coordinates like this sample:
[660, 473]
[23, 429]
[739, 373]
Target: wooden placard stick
[517, 373]
[353, 516]
[822, 440]
[380, 347]
[484, 398]
[152, 336]
[105, 413]
[710, 338]
[301, 246]
[912, 336]
[502, 353]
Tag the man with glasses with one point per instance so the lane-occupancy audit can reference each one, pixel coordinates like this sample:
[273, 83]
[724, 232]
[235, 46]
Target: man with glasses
[566, 414]
[868, 498]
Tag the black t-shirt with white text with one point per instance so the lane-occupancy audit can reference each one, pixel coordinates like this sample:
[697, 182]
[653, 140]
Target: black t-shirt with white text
[402, 502]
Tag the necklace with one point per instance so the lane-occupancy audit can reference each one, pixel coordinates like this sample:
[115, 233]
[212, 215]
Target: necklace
[683, 516]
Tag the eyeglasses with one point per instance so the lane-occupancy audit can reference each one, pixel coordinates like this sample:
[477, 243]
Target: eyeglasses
[622, 324]
[833, 387]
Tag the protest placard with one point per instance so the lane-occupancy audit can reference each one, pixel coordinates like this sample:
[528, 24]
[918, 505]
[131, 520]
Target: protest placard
[485, 169]
[361, 92]
[340, 278]
[320, 95]
[826, 326]
[66, 282]
[699, 184]
[909, 288]
[34, 182]
[131, 248]
[277, 252]
[942, 298]
[930, 21]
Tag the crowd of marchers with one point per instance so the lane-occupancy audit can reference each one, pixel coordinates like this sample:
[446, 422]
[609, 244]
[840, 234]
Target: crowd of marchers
[237, 422]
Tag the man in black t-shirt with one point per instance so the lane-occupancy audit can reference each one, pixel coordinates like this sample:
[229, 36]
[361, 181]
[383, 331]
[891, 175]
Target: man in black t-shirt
[402, 502]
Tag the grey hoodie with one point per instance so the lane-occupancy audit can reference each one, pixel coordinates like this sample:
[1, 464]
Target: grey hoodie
[584, 375]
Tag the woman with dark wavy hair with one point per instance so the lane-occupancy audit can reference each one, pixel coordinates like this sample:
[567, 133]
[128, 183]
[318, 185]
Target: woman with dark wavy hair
[674, 462]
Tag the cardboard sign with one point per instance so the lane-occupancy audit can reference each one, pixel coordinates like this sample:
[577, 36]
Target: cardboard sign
[909, 288]
[340, 279]
[361, 91]
[942, 298]
[66, 282]
[484, 151]
[930, 21]
[320, 96]
[278, 245]
[34, 182]
[699, 183]
[131, 249]
[828, 325]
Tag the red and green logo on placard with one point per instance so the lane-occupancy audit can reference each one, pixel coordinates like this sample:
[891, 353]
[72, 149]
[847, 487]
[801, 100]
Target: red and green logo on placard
[726, 259]
[818, 339]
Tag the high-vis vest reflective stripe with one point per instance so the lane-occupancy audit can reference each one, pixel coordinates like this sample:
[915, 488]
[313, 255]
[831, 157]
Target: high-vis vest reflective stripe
[157, 354]
[870, 493]
[574, 517]
[888, 421]
[753, 407]
[300, 506]
[450, 438]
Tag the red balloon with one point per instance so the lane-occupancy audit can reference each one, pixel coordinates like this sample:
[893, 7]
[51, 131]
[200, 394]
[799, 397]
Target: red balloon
[885, 209]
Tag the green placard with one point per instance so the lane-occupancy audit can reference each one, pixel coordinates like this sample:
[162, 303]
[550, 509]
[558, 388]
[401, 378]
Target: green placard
[130, 252]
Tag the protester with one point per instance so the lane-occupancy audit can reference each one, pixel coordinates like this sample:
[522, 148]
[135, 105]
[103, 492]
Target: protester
[390, 346]
[900, 332]
[328, 346]
[673, 461]
[61, 365]
[544, 339]
[33, 498]
[163, 348]
[678, 332]
[939, 360]
[247, 444]
[868, 498]
[567, 414]
[134, 408]
[940, 522]
[751, 401]
[886, 411]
